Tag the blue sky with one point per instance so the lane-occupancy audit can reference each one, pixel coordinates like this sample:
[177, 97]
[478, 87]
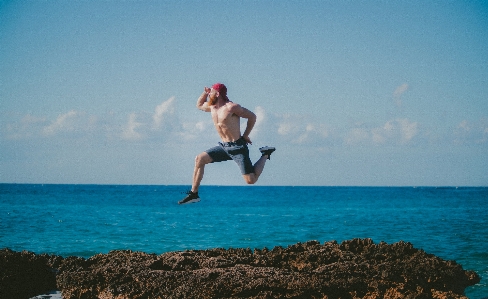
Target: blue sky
[368, 93]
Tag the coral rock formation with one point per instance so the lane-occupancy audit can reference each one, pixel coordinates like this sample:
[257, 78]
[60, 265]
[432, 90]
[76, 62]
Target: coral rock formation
[353, 269]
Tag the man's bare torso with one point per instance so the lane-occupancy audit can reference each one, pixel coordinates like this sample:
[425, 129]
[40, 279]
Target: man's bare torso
[226, 122]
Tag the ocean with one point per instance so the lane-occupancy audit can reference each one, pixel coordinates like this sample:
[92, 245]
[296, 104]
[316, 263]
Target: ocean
[83, 220]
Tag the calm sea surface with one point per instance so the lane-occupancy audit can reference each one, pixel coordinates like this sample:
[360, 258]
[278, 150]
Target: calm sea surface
[84, 220]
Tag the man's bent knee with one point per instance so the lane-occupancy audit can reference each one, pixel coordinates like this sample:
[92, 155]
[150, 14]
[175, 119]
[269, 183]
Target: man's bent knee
[202, 159]
[250, 178]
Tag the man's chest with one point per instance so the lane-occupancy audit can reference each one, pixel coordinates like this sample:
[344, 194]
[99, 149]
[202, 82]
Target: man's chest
[223, 115]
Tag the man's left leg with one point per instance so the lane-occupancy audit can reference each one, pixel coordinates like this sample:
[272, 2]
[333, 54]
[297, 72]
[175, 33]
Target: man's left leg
[252, 178]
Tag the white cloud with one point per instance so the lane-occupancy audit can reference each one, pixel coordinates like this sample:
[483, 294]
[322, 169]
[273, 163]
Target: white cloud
[399, 91]
[64, 123]
[135, 126]
[467, 132]
[28, 126]
[378, 136]
[400, 131]
[356, 135]
[408, 129]
[312, 133]
[193, 130]
[166, 125]
[300, 129]
[143, 125]
[290, 124]
[389, 131]
[200, 126]
[166, 107]
[130, 131]
[285, 128]
[260, 120]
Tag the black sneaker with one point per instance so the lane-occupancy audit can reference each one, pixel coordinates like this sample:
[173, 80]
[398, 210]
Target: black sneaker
[190, 198]
[267, 150]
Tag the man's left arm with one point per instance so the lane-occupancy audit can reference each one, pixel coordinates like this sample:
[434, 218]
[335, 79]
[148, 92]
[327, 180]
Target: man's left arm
[251, 120]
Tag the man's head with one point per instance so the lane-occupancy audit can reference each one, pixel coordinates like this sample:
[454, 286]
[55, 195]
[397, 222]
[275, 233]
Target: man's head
[218, 90]
[221, 88]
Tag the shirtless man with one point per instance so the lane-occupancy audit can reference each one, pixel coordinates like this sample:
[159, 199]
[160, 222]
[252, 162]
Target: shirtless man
[226, 118]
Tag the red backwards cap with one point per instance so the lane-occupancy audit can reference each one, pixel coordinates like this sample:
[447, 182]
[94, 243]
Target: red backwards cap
[220, 88]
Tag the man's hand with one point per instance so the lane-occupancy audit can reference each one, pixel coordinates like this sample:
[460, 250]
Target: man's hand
[247, 139]
[206, 90]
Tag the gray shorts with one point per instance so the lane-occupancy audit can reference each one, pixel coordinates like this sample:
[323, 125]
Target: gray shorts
[236, 150]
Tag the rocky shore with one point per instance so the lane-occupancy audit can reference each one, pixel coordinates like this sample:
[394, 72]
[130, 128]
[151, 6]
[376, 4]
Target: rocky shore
[357, 268]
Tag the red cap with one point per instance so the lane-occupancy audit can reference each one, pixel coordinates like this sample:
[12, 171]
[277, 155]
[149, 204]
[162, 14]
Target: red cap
[220, 88]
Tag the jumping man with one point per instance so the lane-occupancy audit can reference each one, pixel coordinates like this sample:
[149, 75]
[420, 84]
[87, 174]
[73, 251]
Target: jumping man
[226, 118]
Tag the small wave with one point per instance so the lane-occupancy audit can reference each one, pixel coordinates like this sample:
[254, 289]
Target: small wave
[49, 295]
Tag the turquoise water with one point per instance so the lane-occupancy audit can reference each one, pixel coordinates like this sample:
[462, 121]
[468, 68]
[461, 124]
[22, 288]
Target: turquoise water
[84, 220]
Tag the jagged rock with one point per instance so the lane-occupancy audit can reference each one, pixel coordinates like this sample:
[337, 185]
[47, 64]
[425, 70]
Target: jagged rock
[353, 269]
[25, 274]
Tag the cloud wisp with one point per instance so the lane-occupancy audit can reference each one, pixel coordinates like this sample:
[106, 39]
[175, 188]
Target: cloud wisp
[165, 124]
[64, 122]
[130, 131]
[135, 126]
[397, 94]
[163, 109]
[469, 132]
[143, 125]
[397, 131]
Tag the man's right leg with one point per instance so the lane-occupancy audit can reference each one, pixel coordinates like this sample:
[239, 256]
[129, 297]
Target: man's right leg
[200, 161]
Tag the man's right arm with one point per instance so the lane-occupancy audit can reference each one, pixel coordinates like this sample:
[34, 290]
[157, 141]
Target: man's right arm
[202, 101]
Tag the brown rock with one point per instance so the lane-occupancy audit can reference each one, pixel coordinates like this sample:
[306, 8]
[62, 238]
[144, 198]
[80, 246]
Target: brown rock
[25, 274]
[353, 269]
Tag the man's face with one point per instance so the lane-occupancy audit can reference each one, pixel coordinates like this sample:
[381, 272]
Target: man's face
[212, 97]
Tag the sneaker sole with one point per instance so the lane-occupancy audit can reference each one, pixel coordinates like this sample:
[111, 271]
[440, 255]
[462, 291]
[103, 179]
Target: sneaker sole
[190, 201]
[267, 148]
